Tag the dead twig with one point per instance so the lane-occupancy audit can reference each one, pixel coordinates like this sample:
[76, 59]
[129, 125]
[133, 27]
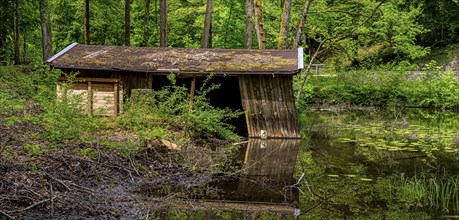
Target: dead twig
[51, 195]
[132, 164]
[6, 215]
[59, 181]
[32, 206]
[82, 188]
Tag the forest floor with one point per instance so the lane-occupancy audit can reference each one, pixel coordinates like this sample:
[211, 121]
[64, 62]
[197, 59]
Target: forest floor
[66, 183]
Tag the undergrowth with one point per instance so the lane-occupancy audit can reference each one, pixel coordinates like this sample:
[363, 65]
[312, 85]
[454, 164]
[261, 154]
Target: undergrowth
[162, 113]
[429, 88]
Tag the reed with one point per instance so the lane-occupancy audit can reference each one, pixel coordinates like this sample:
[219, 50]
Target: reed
[437, 194]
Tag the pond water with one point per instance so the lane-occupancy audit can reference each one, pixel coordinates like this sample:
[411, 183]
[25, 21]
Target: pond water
[380, 164]
[357, 164]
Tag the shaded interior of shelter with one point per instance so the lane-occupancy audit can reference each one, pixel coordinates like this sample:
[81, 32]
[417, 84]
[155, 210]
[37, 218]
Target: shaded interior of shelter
[227, 96]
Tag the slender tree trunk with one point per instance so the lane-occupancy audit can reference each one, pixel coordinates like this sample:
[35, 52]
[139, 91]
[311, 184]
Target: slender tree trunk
[45, 30]
[163, 23]
[127, 22]
[145, 23]
[86, 22]
[248, 23]
[4, 27]
[206, 34]
[285, 22]
[308, 68]
[17, 43]
[301, 23]
[259, 24]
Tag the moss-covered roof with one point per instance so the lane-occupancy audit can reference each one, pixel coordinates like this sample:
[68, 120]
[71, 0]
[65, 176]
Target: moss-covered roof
[181, 60]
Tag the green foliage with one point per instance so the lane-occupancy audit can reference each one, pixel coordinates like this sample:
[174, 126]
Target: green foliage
[432, 88]
[33, 149]
[169, 108]
[430, 193]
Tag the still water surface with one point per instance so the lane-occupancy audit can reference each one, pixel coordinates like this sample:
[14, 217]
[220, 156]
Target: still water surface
[351, 164]
[380, 164]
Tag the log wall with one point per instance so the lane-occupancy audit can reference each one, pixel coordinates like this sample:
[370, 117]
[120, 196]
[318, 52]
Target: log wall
[269, 105]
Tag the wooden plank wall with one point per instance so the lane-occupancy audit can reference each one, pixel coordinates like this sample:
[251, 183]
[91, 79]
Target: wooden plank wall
[269, 105]
[134, 81]
[102, 96]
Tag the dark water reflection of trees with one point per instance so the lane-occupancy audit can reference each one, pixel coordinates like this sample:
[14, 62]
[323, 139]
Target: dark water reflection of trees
[380, 164]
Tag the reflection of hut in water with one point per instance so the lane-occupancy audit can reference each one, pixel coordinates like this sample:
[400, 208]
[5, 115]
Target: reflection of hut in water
[262, 187]
[258, 81]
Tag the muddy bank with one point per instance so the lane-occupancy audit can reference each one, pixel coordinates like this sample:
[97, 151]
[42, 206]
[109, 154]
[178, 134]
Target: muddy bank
[70, 181]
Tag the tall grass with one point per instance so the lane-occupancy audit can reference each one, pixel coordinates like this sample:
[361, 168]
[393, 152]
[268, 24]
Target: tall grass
[434, 193]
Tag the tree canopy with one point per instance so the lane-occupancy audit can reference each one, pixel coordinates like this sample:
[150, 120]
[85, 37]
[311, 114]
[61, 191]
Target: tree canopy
[350, 33]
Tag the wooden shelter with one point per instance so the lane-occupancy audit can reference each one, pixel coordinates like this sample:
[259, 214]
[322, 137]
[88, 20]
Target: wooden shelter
[259, 81]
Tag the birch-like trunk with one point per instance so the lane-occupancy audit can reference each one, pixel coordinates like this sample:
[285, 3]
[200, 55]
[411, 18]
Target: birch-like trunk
[248, 24]
[301, 23]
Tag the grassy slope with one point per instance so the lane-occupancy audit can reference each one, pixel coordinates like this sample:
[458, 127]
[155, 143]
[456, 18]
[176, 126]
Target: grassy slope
[56, 160]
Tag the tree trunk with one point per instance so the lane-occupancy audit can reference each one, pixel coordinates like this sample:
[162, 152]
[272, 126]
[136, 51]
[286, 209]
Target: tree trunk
[259, 24]
[285, 22]
[17, 43]
[127, 22]
[4, 27]
[86, 22]
[145, 23]
[248, 23]
[306, 72]
[301, 23]
[163, 23]
[206, 34]
[45, 30]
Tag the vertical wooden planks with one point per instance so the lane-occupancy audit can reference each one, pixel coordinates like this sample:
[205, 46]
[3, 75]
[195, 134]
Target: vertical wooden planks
[269, 105]
[116, 96]
[192, 90]
[90, 98]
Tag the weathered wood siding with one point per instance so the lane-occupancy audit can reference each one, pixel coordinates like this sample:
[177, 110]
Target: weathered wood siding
[269, 105]
[97, 95]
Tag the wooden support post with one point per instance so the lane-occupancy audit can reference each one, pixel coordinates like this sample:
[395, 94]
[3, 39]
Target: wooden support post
[193, 87]
[90, 99]
[116, 95]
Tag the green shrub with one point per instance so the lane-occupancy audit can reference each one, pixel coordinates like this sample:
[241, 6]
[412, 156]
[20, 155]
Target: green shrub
[432, 88]
[168, 108]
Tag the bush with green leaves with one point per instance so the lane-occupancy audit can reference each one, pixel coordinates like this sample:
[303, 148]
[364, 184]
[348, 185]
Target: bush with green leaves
[429, 88]
[169, 108]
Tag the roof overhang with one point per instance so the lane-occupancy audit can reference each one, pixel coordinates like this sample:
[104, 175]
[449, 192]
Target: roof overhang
[182, 61]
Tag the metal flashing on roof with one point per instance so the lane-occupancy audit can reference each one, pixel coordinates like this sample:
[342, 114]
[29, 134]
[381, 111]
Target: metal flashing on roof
[300, 58]
[62, 52]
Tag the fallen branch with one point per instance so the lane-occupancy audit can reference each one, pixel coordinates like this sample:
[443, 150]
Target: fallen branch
[59, 181]
[32, 206]
[6, 215]
[82, 187]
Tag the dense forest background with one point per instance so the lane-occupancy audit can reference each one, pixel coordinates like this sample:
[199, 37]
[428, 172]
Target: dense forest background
[351, 33]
